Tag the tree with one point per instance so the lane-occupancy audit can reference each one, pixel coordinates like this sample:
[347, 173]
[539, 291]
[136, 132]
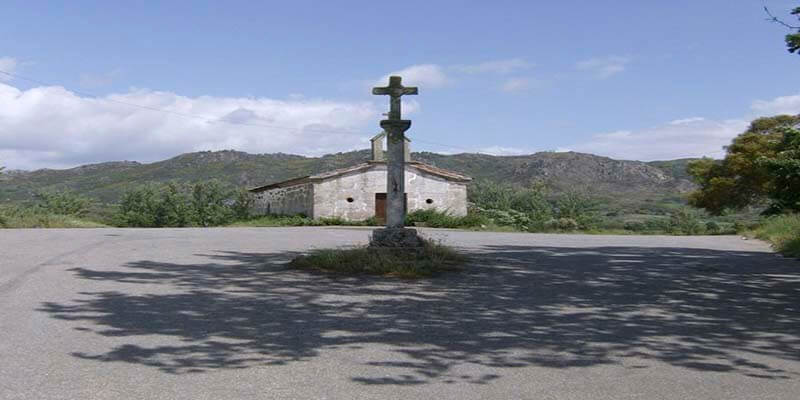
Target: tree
[491, 195]
[785, 170]
[792, 39]
[63, 203]
[208, 204]
[242, 204]
[173, 208]
[746, 175]
[139, 207]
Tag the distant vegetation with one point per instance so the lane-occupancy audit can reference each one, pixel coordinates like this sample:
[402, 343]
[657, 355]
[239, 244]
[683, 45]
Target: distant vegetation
[50, 210]
[543, 192]
[541, 205]
[176, 205]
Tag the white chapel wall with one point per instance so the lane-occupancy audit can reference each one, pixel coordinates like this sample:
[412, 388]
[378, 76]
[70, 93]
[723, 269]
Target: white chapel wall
[352, 196]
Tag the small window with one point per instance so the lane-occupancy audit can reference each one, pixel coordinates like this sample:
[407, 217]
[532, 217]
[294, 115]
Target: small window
[429, 201]
[349, 199]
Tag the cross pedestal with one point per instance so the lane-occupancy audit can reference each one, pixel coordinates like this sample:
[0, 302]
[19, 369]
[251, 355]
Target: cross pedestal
[395, 235]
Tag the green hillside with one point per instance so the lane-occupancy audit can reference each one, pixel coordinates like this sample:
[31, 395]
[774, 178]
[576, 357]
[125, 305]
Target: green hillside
[601, 177]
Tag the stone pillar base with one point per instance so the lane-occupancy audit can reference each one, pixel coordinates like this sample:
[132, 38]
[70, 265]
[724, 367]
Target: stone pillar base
[395, 238]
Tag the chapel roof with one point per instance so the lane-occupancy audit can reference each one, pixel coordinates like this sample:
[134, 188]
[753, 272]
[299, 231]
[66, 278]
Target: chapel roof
[422, 167]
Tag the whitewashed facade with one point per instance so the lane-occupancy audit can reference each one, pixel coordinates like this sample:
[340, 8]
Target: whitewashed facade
[358, 192]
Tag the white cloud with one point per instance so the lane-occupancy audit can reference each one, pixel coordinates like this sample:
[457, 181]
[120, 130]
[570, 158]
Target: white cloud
[425, 75]
[505, 151]
[53, 127]
[685, 121]
[7, 64]
[691, 137]
[779, 105]
[686, 137]
[604, 67]
[497, 66]
[515, 84]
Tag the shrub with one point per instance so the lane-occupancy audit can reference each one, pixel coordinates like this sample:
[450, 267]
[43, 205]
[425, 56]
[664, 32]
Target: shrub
[685, 221]
[712, 227]
[208, 204]
[63, 203]
[635, 226]
[509, 217]
[437, 219]
[573, 205]
[783, 231]
[658, 225]
[139, 207]
[243, 204]
[491, 195]
[562, 224]
[173, 205]
[533, 202]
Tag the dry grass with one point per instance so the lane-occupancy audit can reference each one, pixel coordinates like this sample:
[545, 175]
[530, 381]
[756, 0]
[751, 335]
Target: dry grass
[432, 259]
[18, 217]
[783, 231]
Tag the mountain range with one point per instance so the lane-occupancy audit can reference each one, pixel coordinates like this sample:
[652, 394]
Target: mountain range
[601, 177]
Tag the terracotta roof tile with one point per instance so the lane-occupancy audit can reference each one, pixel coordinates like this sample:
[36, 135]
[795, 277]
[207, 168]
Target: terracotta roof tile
[430, 169]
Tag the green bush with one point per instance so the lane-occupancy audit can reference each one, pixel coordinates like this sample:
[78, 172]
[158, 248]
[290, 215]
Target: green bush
[139, 207]
[783, 231]
[491, 195]
[209, 204]
[635, 226]
[658, 225]
[63, 203]
[437, 219]
[685, 221]
[243, 204]
[562, 224]
[509, 217]
[173, 205]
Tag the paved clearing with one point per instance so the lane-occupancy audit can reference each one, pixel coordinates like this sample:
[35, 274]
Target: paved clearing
[214, 314]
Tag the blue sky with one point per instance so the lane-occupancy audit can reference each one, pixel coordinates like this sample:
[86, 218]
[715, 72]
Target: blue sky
[627, 79]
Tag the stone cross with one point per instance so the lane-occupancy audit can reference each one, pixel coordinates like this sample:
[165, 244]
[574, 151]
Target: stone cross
[395, 154]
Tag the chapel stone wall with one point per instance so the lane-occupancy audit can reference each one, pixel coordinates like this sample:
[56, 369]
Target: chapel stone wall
[291, 200]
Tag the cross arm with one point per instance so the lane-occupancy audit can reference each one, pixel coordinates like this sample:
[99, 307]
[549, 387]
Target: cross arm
[395, 91]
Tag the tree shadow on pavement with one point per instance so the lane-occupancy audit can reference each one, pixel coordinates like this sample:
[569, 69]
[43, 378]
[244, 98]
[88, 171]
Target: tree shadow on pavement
[514, 306]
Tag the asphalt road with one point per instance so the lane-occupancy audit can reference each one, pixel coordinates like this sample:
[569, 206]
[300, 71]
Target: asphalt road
[214, 314]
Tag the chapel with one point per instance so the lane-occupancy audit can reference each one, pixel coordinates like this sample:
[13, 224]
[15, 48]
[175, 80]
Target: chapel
[359, 192]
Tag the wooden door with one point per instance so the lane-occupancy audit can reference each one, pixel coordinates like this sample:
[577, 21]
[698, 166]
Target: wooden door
[380, 207]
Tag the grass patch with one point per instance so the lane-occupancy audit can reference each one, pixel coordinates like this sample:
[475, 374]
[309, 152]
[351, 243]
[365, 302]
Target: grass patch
[783, 231]
[433, 259]
[23, 217]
